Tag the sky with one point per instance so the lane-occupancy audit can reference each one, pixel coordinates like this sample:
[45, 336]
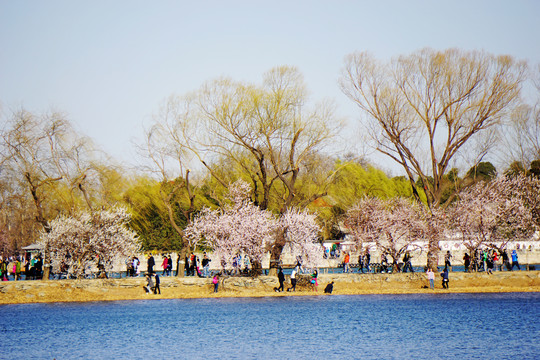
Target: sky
[109, 65]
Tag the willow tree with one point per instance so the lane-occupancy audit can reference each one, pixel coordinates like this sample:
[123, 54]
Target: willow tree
[47, 169]
[267, 131]
[427, 108]
[30, 145]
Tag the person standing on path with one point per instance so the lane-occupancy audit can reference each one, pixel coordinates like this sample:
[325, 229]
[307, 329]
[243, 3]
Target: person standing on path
[431, 278]
[515, 260]
[361, 263]
[299, 265]
[206, 265]
[136, 263]
[293, 279]
[4, 269]
[367, 259]
[445, 279]
[495, 258]
[346, 261]
[156, 288]
[215, 281]
[17, 268]
[484, 259]
[447, 259]
[466, 262]
[151, 262]
[505, 261]
[407, 262]
[489, 264]
[281, 279]
[169, 265]
[164, 265]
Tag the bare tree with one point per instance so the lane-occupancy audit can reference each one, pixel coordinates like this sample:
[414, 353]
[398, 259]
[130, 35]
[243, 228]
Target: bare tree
[267, 131]
[521, 134]
[47, 157]
[431, 105]
[29, 143]
[425, 109]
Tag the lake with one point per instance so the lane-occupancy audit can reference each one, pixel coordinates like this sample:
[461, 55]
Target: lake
[423, 326]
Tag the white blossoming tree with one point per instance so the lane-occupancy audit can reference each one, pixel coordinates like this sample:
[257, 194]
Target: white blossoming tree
[300, 233]
[77, 243]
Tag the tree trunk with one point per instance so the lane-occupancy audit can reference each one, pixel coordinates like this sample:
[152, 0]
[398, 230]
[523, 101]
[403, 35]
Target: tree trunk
[256, 268]
[433, 254]
[180, 262]
[275, 253]
[46, 271]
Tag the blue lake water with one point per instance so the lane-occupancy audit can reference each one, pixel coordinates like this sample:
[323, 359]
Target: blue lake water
[424, 326]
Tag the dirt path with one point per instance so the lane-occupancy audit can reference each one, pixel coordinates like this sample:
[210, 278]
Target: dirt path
[175, 288]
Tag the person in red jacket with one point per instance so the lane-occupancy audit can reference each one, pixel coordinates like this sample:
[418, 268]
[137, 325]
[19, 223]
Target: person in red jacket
[164, 265]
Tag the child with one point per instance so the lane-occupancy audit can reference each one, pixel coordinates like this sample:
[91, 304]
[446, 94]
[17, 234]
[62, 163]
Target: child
[215, 281]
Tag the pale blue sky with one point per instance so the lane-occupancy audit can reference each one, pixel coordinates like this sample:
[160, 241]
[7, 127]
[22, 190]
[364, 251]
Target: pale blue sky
[109, 64]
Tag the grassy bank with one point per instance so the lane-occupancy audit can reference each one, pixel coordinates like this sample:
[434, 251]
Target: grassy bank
[175, 288]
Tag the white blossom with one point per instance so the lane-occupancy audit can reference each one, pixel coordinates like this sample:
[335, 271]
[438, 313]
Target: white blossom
[80, 242]
[301, 234]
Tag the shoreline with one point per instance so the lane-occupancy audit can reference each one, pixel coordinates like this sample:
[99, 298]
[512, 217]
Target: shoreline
[91, 290]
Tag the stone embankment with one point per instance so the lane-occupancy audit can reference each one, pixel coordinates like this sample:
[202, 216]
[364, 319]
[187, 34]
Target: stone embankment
[14, 292]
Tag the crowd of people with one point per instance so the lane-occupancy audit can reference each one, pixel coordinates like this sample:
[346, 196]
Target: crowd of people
[31, 267]
[196, 267]
[490, 259]
[487, 260]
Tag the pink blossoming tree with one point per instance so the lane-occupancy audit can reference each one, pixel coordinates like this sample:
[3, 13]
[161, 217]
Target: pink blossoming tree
[394, 225]
[242, 227]
[238, 227]
[300, 232]
[495, 213]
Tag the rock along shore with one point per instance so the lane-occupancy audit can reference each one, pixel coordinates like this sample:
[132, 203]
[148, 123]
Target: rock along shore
[37, 291]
